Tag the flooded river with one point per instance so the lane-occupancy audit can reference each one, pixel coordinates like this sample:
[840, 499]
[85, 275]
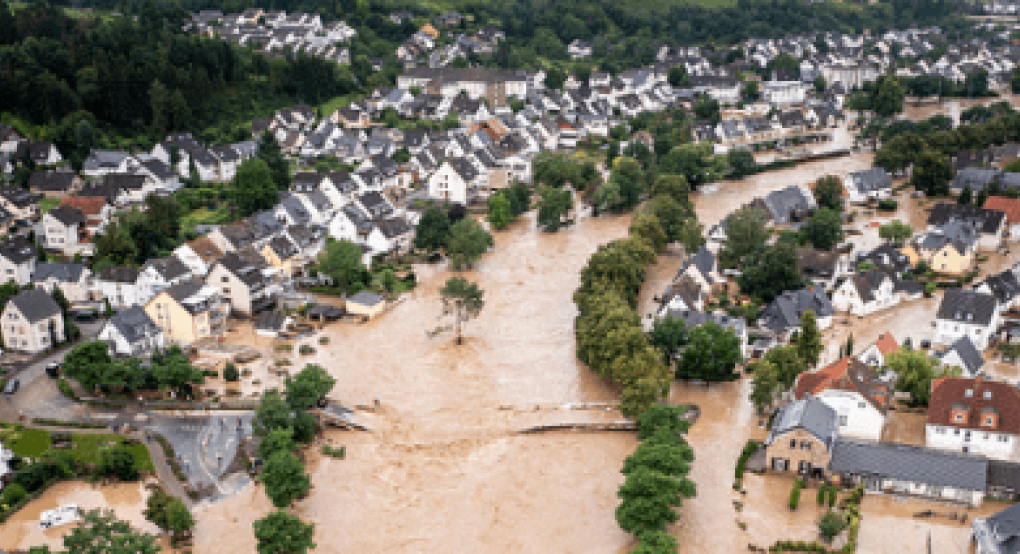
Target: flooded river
[444, 468]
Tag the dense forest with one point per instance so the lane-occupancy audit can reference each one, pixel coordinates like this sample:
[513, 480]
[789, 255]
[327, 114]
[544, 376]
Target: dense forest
[89, 82]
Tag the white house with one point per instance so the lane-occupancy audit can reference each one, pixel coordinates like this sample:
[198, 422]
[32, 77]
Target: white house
[783, 93]
[973, 415]
[17, 260]
[132, 333]
[869, 184]
[966, 313]
[118, 286]
[855, 391]
[866, 293]
[73, 280]
[454, 181]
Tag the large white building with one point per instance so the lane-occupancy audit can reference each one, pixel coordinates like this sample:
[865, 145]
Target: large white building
[973, 415]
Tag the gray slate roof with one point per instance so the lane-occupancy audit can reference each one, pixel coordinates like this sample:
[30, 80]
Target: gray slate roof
[783, 203]
[1001, 531]
[36, 305]
[871, 180]
[968, 353]
[365, 298]
[784, 312]
[134, 324]
[967, 306]
[810, 414]
[65, 273]
[910, 463]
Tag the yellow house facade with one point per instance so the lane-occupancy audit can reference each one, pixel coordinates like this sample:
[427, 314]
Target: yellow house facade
[188, 312]
[946, 259]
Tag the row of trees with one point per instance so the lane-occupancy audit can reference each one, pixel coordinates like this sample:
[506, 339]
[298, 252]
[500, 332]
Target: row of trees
[608, 330]
[91, 365]
[284, 423]
[656, 479]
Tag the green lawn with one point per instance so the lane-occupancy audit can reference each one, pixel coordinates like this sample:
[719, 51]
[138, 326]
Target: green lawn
[47, 204]
[86, 449]
[29, 443]
[204, 216]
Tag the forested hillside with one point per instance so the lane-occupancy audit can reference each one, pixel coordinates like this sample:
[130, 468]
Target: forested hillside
[87, 82]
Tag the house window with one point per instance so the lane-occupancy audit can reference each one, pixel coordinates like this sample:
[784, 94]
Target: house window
[842, 421]
[805, 445]
[1003, 438]
[958, 418]
[956, 432]
[226, 280]
[940, 430]
[793, 443]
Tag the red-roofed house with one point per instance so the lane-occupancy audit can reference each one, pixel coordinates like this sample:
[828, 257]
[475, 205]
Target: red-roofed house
[875, 353]
[859, 396]
[1011, 207]
[96, 209]
[973, 415]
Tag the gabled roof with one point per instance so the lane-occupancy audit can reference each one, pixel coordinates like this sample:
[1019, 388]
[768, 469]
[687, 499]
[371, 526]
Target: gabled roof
[63, 272]
[887, 344]
[969, 355]
[134, 324]
[785, 311]
[976, 397]
[206, 249]
[51, 181]
[809, 414]
[67, 215]
[982, 219]
[910, 463]
[1008, 206]
[1001, 531]
[848, 374]
[35, 305]
[1004, 286]
[967, 306]
[18, 250]
[870, 180]
[92, 206]
[119, 275]
[170, 268]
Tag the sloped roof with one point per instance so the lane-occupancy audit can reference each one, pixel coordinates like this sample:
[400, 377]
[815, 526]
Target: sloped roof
[63, 272]
[967, 306]
[36, 305]
[1009, 206]
[67, 215]
[18, 250]
[134, 324]
[948, 394]
[810, 414]
[910, 463]
[91, 206]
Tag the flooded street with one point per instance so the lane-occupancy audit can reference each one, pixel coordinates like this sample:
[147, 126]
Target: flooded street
[127, 500]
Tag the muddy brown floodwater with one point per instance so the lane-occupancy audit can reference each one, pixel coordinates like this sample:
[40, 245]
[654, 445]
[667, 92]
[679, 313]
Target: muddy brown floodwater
[444, 469]
[127, 500]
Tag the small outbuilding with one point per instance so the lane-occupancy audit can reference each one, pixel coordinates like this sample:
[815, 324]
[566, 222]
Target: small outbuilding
[366, 304]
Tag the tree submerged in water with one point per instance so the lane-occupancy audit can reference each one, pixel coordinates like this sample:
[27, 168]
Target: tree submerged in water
[463, 300]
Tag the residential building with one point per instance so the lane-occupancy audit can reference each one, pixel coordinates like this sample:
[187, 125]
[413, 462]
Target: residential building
[189, 311]
[244, 280]
[783, 315]
[802, 436]
[989, 224]
[855, 391]
[999, 533]
[869, 184]
[964, 356]
[965, 313]
[32, 322]
[132, 333]
[17, 260]
[973, 415]
[73, 280]
[1010, 207]
[118, 286]
[64, 230]
[55, 184]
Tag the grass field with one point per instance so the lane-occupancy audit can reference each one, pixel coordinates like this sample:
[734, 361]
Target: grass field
[28, 443]
[204, 216]
[86, 449]
[47, 204]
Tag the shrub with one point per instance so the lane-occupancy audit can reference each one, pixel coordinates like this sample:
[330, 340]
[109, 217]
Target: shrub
[210, 373]
[338, 453]
[323, 340]
[832, 495]
[230, 372]
[795, 493]
[306, 350]
[283, 348]
[887, 204]
[820, 497]
[65, 388]
[749, 449]
[831, 525]
[13, 494]
[117, 461]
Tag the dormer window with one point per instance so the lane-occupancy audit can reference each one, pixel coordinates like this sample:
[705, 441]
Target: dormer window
[958, 418]
[968, 393]
[988, 395]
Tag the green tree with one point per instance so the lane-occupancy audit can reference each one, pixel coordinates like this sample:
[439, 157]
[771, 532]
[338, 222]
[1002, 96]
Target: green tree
[887, 96]
[1014, 80]
[308, 387]
[87, 362]
[669, 335]
[280, 439]
[102, 532]
[117, 461]
[741, 162]
[553, 207]
[678, 77]
[825, 229]
[787, 363]
[433, 230]
[829, 193]
[648, 498]
[767, 273]
[675, 187]
[750, 92]
[672, 459]
[647, 227]
[273, 413]
[660, 421]
[696, 162]
[252, 188]
[678, 221]
[966, 195]
[765, 386]
[467, 242]
[809, 341]
[284, 478]
[269, 151]
[707, 108]
[932, 174]
[655, 542]
[230, 372]
[341, 261]
[895, 231]
[282, 533]
[168, 513]
[500, 211]
[914, 373]
[711, 355]
[746, 234]
[820, 84]
[172, 370]
[462, 300]
[831, 524]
